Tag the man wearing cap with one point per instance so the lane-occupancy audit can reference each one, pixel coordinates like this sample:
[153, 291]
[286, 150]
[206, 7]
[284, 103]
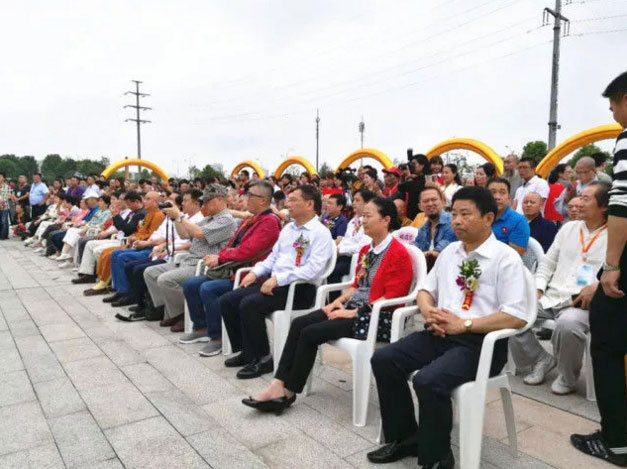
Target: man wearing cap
[165, 281]
[391, 179]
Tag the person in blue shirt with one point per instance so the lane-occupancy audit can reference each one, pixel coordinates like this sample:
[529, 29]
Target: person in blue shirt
[333, 218]
[38, 196]
[510, 227]
[436, 233]
[542, 230]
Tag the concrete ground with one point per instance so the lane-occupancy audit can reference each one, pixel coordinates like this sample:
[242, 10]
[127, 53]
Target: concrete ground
[80, 389]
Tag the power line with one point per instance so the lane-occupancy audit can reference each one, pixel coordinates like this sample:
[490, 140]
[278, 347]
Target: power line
[138, 120]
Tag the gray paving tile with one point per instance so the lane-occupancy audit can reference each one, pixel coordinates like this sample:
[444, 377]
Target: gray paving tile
[65, 331]
[93, 373]
[80, 440]
[254, 429]
[58, 397]
[147, 378]
[153, 443]
[223, 451]
[23, 328]
[121, 353]
[299, 451]
[360, 461]
[498, 454]
[6, 340]
[182, 413]
[75, 349]
[117, 404]
[113, 463]
[15, 388]
[3, 324]
[42, 457]
[22, 426]
[10, 361]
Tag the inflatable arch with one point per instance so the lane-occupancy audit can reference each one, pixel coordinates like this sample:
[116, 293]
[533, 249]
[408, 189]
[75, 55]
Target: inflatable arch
[366, 153]
[135, 162]
[573, 143]
[248, 164]
[295, 160]
[469, 144]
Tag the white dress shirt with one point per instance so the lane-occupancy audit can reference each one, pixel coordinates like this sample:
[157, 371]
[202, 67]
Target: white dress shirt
[281, 262]
[535, 184]
[557, 273]
[501, 284]
[354, 239]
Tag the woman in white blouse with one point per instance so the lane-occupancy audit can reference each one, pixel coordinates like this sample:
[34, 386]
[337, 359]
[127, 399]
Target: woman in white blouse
[452, 182]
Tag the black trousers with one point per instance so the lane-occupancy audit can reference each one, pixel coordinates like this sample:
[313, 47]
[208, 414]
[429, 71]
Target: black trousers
[444, 363]
[244, 312]
[49, 230]
[37, 210]
[608, 346]
[306, 334]
[134, 271]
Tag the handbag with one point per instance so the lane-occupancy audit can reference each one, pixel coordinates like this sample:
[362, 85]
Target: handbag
[361, 323]
[227, 270]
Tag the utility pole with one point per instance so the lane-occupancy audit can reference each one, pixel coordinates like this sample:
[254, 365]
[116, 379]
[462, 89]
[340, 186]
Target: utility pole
[138, 120]
[557, 26]
[317, 136]
[362, 127]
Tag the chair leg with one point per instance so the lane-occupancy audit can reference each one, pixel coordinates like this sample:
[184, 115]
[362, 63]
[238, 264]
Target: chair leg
[361, 389]
[510, 366]
[591, 394]
[281, 327]
[471, 410]
[510, 420]
[309, 384]
[188, 320]
[226, 342]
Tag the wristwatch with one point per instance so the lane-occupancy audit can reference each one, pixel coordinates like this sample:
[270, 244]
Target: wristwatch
[468, 325]
[610, 268]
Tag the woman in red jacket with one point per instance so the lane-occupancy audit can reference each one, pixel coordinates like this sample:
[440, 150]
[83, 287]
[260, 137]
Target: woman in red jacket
[385, 271]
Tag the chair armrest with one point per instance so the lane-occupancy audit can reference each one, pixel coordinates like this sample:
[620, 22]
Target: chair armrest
[325, 289]
[199, 265]
[398, 318]
[487, 351]
[289, 302]
[238, 275]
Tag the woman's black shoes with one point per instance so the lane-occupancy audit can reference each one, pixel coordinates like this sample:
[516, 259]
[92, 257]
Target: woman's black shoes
[276, 406]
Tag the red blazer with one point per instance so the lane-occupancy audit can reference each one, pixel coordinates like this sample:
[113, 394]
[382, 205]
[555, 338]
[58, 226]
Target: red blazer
[260, 236]
[395, 274]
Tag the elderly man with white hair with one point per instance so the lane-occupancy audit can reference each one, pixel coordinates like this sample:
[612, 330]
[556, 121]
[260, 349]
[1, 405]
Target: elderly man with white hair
[586, 174]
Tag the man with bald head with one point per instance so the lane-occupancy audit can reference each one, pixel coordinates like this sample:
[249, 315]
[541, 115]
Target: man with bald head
[541, 229]
[586, 173]
[154, 217]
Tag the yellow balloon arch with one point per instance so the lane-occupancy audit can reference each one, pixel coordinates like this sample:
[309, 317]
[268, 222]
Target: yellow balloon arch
[248, 164]
[135, 162]
[295, 160]
[366, 153]
[469, 144]
[573, 143]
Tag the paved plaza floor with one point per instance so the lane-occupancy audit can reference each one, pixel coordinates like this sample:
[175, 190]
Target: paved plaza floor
[80, 389]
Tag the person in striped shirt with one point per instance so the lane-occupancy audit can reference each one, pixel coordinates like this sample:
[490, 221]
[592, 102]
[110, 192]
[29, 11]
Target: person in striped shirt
[608, 309]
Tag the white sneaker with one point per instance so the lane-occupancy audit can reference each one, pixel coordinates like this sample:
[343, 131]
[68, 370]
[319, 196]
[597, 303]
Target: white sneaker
[65, 264]
[64, 257]
[540, 370]
[28, 241]
[561, 387]
[39, 249]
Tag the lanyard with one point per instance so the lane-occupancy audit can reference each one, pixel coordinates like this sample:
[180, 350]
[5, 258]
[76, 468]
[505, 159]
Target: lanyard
[586, 247]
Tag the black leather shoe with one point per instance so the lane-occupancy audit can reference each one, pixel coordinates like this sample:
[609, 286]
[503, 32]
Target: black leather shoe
[255, 369]
[236, 361]
[135, 308]
[447, 463]
[112, 298]
[276, 406]
[124, 301]
[154, 314]
[392, 452]
[84, 279]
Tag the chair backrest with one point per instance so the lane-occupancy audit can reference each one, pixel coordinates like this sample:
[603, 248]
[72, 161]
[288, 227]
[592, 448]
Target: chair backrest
[532, 300]
[419, 266]
[330, 265]
[406, 235]
[534, 255]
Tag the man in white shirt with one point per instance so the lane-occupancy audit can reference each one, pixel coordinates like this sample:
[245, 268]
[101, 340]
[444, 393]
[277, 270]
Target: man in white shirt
[447, 353]
[531, 183]
[566, 282]
[301, 253]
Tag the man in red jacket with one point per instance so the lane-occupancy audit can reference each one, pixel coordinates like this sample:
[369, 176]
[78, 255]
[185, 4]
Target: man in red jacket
[251, 242]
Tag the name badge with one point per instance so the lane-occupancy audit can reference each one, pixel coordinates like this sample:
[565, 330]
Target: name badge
[585, 275]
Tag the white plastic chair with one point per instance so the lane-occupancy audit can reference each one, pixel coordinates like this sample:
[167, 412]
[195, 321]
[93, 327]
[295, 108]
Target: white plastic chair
[282, 319]
[188, 319]
[532, 258]
[361, 350]
[591, 394]
[406, 235]
[351, 271]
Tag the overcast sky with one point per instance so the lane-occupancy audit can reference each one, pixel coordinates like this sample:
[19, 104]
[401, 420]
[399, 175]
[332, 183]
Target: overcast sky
[233, 80]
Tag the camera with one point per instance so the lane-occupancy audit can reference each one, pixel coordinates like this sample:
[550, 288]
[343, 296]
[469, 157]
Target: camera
[165, 205]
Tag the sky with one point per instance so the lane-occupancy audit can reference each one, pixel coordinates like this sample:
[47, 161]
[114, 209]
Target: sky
[232, 80]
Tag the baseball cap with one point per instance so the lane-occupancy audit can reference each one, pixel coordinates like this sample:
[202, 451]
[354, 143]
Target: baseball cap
[394, 170]
[212, 191]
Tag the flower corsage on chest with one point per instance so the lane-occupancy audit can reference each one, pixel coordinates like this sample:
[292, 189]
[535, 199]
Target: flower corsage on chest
[468, 280]
[366, 263]
[300, 246]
